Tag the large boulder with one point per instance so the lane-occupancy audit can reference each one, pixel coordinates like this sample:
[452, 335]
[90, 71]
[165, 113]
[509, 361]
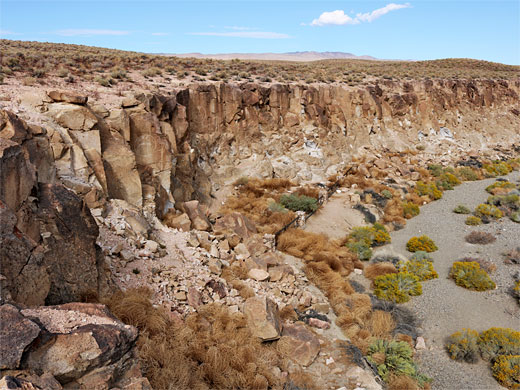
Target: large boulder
[299, 344]
[235, 223]
[67, 97]
[263, 318]
[197, 214]
[82, 346]
[72, 116]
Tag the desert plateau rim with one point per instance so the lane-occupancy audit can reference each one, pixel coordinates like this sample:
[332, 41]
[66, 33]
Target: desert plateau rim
[201, 223]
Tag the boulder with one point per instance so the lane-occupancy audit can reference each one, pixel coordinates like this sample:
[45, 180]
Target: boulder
[235, 223]
[72, 116]
[181, 221]
[197, 215]
[299, 344]
[263, 318]
[258, 274]
[68, 97]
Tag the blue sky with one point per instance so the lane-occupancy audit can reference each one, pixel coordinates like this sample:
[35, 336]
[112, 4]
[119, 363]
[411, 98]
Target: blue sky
[417, 29]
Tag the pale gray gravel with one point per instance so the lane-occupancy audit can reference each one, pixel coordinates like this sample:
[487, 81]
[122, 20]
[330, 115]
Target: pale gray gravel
[444, 307]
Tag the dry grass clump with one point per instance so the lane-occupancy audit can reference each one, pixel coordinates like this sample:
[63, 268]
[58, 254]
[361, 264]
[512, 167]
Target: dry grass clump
[233, 274]
[513, 256]
[212, 349]
[486, 265]
[372, 271]
[482, 238]
[381, 324]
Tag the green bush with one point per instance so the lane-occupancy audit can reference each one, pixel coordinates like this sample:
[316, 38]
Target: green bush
[473, 221]
[467, 174]
[496, 342]
[421, 268]
[387, 194]
[422, 243]
[429, 189]
[276, 208]
[299, 203]
[515, 217]
[506, 371]
[410, 210]
[361, 249]
[497, 168]
[469, 275]
[421, 256]
[463, 345]
[461, 209]
[362, 238]
[500, 184]
[435, 169]
[394, 357]
[484, 210]
[397, 287]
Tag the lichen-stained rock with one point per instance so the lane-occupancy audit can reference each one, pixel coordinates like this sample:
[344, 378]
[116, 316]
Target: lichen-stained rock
[263, 318]
[299, 344]
[16, 334]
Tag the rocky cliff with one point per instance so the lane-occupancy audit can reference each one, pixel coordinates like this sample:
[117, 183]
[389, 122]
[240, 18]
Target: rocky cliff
[154, 150]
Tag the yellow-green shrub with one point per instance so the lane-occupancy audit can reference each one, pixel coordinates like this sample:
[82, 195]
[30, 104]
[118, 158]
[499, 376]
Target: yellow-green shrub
[422, 243]
[463, 345]
[506, 371]
[497, 168]
[421, 268]
[362, 238]
[430, 189]
[397, 287]
[496, 342]
[467, 174]
[484, 210]
[500, 184]
[410, 210]
[473, 221]
[469, 275]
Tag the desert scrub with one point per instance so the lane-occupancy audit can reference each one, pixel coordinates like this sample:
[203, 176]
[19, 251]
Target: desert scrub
[473, 221]
[410, 210]
[516, 290]
[429, 189]
[362, 238]
[420, 267]
[461, 209]
[387, 194]
[276, 208]
[299, 203]
[463, 345]
[469, 275]
[485, 211]
[394, 358]
[506, 371]
[482, 238]
[497, 168]
[501, 185]
[447, 181]
[467, 174]
[422, 243]
[397, 287]
[496, 342]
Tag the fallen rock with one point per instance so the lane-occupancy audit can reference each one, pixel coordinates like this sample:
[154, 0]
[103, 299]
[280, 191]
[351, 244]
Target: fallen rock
[68, 97]
[180, 222]
[263, 318]
[420, 343]
[258, 274]
[317, 323]
[197, 215]
[235, 223]
[299, 344]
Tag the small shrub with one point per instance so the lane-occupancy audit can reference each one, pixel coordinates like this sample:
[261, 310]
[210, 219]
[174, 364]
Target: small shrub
[463, 345]
[423, 269]
[482, 238]
[151, 72]
[421, 256]
[516, 290]
[394, 358]
[361, 249]
[362, 238]
[397, 287]
[276, 208]
[515, 217]
[469, 275]
[501, 185]
[486, 211]
[435, 169]
[473, 221]
[429, 189]
[447, 181]
[422, 243]
[467, 174]
[387, 194]
[410, 210]
[513, 256]
[105, 82]
[486, 265]
[497, 168]
[299, 203]
[372, 271]
[506, 371]
[496, 342]
[461, 209]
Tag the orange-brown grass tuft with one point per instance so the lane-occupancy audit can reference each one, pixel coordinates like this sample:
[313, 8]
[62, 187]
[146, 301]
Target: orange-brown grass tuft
[393, 212]
[381, 325]
[212, 349]
[372, 271]
[233, 274]
[309, 191]
[406, 338]
[402, 382]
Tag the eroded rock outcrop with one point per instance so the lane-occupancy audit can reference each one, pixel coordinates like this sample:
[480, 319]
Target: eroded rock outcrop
[71, 346]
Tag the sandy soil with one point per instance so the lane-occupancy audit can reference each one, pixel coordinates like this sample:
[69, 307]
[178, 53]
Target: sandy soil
[444, 307]
[336, 218]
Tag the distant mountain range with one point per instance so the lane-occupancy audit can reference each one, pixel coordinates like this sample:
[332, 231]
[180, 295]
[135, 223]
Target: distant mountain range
[292, 56]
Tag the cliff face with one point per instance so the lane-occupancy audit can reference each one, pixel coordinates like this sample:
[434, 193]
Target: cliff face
[156, 150]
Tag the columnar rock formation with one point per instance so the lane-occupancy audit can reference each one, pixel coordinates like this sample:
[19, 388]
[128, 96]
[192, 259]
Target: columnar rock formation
[160, 149]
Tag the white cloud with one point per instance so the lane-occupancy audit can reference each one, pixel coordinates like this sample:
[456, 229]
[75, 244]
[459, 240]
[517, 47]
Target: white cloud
[339, 17]
[7, 32]
[160, 34]
[238, 28]
[370, 16]
[245, 34]
[89, 32]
